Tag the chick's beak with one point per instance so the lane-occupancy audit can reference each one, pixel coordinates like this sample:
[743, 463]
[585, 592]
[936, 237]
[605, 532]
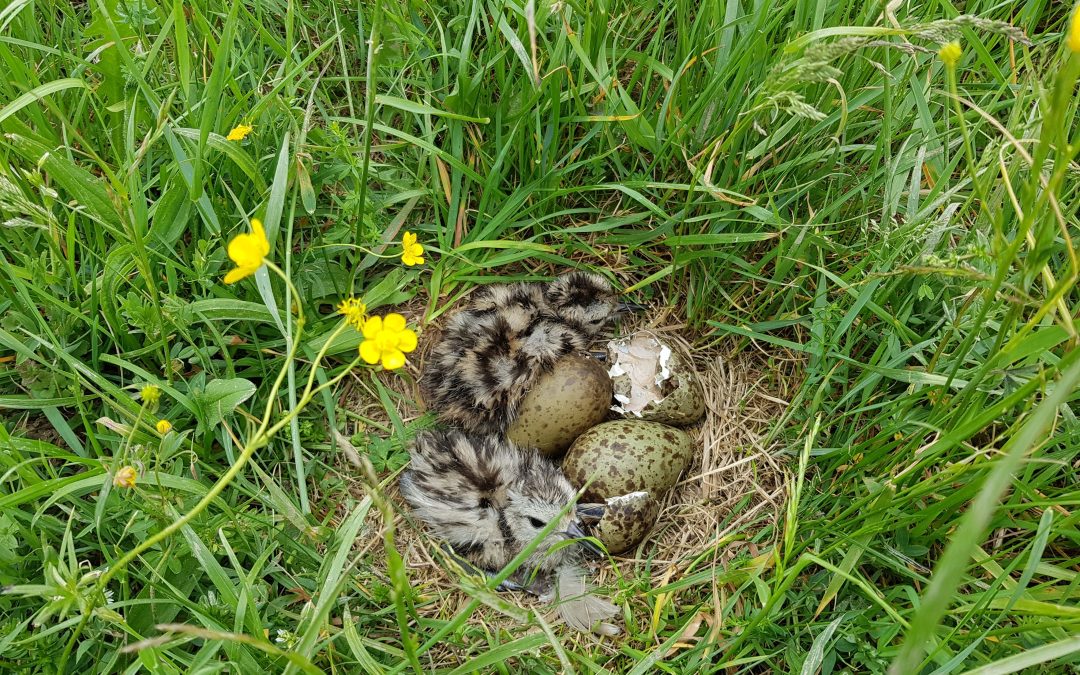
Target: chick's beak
[626, 307]
[590, 514]
[574, 531]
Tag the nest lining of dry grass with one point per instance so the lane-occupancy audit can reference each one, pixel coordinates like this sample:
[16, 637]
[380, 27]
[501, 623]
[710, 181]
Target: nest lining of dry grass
[733, 468]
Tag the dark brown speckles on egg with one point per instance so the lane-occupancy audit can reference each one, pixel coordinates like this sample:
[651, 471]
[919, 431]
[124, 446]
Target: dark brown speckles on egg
[627, 519]
[562, 404]
[627, 456]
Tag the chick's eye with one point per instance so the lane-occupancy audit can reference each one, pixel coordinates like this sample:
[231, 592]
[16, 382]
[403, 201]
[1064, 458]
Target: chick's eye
[536, 522]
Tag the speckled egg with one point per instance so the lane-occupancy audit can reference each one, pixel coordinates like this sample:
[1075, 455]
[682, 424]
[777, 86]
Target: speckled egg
[626, 521]
[654, 382]
[562, 404]
[626, 456]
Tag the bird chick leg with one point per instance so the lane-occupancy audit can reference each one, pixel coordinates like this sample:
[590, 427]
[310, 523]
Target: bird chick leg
[581, 610]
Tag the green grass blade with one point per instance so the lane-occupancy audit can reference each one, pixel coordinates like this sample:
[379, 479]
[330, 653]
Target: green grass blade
[37, 93]
[949, 569]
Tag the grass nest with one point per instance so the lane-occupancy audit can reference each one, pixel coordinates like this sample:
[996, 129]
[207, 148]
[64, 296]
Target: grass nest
[726, 505]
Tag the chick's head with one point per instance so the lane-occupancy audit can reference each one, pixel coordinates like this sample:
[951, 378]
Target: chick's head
[527, 518]
[538, 499]
[582, 299]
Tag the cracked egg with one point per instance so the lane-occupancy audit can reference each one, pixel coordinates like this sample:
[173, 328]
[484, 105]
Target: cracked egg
[653, 382]
[623, 521]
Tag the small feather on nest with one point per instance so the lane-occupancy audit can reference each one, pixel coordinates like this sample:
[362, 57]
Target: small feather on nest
[580, 610]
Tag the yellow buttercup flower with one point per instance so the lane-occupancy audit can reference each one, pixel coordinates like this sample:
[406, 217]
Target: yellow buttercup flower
[150, 393]
[387, 340]
[239, 132]
[163, 427]
[354, 311]
[412, 253]
[1073, 39]
[125, 477]
[950, 53]
[248, 251]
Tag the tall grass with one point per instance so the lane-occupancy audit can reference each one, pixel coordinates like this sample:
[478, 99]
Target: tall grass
[801, 176]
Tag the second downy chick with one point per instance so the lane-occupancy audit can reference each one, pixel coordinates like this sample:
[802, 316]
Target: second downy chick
[492, 352]
[490, 500]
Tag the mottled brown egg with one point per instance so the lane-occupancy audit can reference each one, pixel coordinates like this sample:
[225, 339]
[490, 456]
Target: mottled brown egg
[626, 521]
[654, 382]
[562, 404]
[626, 456]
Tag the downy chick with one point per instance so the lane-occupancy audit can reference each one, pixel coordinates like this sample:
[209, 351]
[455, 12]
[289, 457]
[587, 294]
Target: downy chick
[489, 500]
[493, 352]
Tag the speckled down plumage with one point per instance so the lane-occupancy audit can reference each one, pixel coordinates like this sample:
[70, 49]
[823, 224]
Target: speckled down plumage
[493, 351]
[489, 500]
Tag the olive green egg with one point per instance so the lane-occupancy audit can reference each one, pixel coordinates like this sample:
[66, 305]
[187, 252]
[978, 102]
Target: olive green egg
[653, 382]
[626, 521]
[625, 456]
[562, 404]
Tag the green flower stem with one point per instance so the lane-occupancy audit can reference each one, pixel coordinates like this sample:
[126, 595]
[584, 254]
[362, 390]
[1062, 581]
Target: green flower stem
[292, 291]
[298, 453]
[134, 428]
[259, 439]
[1004, 256]
[364, 249]
[965, 134]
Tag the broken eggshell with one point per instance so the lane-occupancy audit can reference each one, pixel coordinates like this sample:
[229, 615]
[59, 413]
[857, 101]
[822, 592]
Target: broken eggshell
[562, 404]
[653, 382]
[624, 520]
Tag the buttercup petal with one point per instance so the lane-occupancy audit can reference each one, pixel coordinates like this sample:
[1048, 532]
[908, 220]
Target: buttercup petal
[259, 233]
[239, 132]
[125, 477]
[407, 341]
[393, 359]
[237, 274]
[372, 328]
[369, 351]
[1073, 39]
[252, 250]
[238, 249]
[394, 323]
